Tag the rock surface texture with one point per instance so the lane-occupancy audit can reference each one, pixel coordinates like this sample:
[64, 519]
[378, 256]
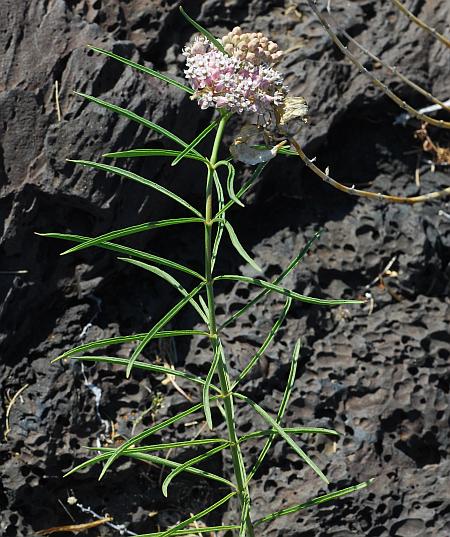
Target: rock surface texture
[379, 375]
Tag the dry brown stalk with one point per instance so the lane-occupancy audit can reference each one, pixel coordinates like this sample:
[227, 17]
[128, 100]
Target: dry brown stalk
[400, 102]
[397, 73]
[364, 193]
[422, 23]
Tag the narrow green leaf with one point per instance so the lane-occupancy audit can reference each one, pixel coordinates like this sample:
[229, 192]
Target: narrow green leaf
[193, 462]
[170, 279]
[160, 324]
[204, 32]
[204, 305]
[148, 432]
[287, 292]
[137, 119]
[255, 358]
[220, 224]
[159, 369]
[193, 518]
[316, 501]
[130, 153]
[276, 281]
[281, 410]
[193, 531]
[206, 386]
[244, 189]
[230, 184]
[127, 251]
[168, 445]
[124, 232]
[284, 435]
[245, 514]
[144, 69]
[195, 142]
[289, 430]
[290, 382]
[239, 248]
[144, 457]
[135, 177]
[102, 343]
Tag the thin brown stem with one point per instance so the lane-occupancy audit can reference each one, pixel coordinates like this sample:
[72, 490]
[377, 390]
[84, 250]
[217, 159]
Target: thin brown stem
[364, 193]
[400, 102]
[421, 23]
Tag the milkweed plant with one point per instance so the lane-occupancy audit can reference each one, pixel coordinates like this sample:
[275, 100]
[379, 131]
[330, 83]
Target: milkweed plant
[235, 75]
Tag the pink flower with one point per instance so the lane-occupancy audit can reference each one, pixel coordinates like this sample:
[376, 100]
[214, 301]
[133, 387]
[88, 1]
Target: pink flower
[233, 83]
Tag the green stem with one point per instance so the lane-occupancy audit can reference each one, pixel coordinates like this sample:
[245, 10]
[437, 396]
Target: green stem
[224, 379]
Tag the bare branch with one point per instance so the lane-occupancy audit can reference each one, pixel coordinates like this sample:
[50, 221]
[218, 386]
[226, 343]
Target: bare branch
[400, 102]
[396, 72]
[363, 193]
[422, 24]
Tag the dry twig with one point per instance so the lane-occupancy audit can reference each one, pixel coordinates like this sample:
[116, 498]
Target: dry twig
[8, 410]
[400, 102]
[421, 23]
[364, 193]
[75, 528]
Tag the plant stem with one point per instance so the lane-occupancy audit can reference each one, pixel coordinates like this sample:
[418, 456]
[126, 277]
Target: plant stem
[224, 379]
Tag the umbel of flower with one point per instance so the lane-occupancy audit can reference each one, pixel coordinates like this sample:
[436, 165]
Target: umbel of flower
[242, 80]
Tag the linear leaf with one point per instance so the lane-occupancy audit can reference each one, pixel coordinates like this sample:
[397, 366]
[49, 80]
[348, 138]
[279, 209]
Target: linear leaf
[245, 514]
[168, 445]
[160, 324]
[254, 359]
[143, 69]
[117, 452]
[204, 32]
[206, 386]
[193, 518]
[159, 369]
[125, 250]
[204, 305]
[135, 177]
[124, 232]
[230, 184]
[316, 501]
[283, 434]
[287, 292]
[276, 281]
[102, 343]
[244, 189]
[190, 463]
[192, 531]
[170, 279]
[145, 457]
[129, 153]
[137, 119]
[206, 441]
[220, 224]
[289, 430]
[239, 248]
[195, 142]
[281, 410]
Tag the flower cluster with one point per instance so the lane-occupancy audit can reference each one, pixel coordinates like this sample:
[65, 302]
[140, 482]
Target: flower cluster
[252, 47]
[235, 81]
